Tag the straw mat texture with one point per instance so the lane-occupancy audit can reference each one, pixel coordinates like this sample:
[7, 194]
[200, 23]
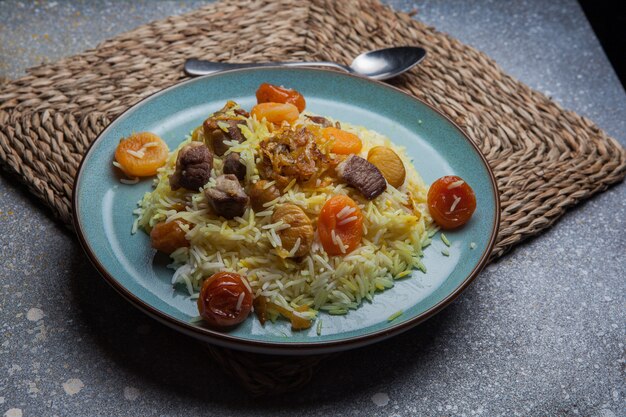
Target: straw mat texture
[545, 158]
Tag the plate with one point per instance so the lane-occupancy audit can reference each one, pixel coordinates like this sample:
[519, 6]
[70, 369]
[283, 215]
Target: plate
[103, 206]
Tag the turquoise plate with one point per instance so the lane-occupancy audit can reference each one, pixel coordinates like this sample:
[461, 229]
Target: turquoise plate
[103, 206]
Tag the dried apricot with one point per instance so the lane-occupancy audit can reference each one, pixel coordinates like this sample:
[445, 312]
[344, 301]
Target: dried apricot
[389, 164]
[345, 143]
[275, 94]
[141, 154]
[167, 237]
[276, 112]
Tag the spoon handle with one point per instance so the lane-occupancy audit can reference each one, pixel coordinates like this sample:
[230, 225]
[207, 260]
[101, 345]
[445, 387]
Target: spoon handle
[195, 67]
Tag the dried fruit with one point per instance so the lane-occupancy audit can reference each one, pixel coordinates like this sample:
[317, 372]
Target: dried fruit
[167, 237]
[300, 229]
[141, 154]
[276, 112]
[344, 143]
[340, 220]
[261, 193]
[389, 164]
[275, 94]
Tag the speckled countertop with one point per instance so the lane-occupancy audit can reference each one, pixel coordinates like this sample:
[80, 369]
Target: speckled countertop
[541, 332]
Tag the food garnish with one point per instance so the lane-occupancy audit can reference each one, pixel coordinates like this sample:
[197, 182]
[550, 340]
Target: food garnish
[395, 315]
[340, 225]
[451, 202]
[293, 153]
[262, 192]
[276, 112]
[141, 154]
[324, 122]
[167, 237]
[268, 93]
[343, 143]
[389, 164]
[296, 230]
[225, 299]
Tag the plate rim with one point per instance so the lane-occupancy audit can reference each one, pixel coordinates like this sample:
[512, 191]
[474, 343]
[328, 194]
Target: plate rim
[291, 348]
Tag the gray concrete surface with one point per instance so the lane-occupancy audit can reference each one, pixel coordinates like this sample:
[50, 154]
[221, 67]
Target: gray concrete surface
[540, 333]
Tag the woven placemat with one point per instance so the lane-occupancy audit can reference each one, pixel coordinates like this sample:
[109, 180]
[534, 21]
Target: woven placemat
[545, 158]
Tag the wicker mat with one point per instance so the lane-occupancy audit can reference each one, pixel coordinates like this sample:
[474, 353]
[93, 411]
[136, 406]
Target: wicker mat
[545, 159]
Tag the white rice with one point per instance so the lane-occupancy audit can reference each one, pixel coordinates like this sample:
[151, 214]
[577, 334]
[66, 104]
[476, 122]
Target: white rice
[295, 248]
[456, 201]
[342, 247]
[347, 220]
[137, 154]
[344, 212]
[131, 181]
[240, 301]
[149, 145]
[456, 184]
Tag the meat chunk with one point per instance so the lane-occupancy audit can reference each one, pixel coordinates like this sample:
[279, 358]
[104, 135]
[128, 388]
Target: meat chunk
[193, 167]
[229, 117]
[233, 130]
[216, 137]
[363, 176]
[233, 165]
[228, 198]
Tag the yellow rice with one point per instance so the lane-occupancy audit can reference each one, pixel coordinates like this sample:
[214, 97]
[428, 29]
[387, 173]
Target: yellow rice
[393, 235]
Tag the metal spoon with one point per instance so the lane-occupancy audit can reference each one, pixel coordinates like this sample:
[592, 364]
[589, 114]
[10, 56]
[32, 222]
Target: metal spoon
[380, 64]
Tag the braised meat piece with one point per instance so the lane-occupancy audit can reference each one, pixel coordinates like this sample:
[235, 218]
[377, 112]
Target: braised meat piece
[193, 167]
[229, 117]
[363, 176]
[233, 165]
[228, 198]
[216, 137]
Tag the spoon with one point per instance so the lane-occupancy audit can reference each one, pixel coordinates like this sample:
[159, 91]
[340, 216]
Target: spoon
[380, 64]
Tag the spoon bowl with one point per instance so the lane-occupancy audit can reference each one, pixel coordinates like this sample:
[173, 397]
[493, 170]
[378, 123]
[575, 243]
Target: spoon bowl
[380, 64]
[383, 64]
